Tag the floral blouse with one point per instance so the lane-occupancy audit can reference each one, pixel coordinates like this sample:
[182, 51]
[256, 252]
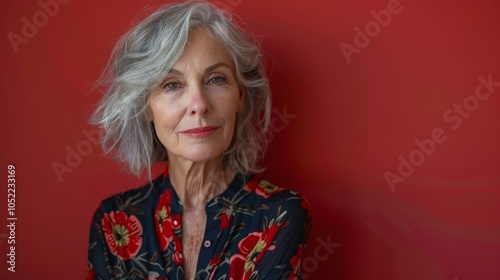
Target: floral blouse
[254, 230]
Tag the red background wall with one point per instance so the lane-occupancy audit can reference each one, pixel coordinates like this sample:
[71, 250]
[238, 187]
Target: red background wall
[348, 124]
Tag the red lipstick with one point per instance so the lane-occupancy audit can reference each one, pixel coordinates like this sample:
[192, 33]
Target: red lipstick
[200, 132]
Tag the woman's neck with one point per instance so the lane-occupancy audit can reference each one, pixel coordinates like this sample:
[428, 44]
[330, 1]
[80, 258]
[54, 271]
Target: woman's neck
[198, 182]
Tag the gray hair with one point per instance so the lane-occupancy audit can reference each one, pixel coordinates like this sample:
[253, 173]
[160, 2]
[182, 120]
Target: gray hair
[143, 57]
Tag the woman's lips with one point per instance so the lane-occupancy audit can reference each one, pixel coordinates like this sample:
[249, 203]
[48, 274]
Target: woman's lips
[200, 132]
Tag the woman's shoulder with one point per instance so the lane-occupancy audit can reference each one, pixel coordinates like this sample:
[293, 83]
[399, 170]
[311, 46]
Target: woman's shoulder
[279, 196]
[132, 198]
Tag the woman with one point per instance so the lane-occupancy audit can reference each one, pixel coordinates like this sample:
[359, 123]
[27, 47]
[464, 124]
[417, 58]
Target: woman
[188, 87]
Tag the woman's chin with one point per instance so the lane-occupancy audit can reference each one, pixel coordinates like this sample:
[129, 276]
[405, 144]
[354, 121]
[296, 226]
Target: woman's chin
[202, 154]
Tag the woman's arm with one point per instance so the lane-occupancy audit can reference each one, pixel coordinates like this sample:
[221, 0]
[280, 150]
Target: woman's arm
[98, 256]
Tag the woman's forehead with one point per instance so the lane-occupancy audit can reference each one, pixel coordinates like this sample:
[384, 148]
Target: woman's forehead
[202, 51]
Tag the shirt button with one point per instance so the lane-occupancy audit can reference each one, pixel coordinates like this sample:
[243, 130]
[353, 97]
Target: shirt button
[175, 222]
[207, 243]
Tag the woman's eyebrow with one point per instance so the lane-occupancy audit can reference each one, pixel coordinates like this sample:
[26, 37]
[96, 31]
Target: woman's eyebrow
[216, 65]
[175, 72]
[208, 69]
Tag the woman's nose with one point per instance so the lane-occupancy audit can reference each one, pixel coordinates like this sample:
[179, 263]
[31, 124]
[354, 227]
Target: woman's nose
[198, 104]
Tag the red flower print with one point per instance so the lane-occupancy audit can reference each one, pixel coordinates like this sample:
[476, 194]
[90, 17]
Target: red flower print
[177, 257]
[123, 234]
[90, 272]
[165, 224]
[251, 249]
[306, 205]
[226, 217]
[153, 275]
[163, 220]
[165, 173]
[214, 261]
[262, 187]
[296, 262]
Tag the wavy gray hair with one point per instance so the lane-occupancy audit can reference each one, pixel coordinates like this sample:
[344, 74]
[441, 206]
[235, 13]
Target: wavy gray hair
[143, 57]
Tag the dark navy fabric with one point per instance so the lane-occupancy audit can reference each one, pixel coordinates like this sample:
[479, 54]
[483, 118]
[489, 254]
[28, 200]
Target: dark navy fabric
[254, 230]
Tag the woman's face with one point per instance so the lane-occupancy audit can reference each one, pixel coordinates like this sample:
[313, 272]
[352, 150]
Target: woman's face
[194, 108]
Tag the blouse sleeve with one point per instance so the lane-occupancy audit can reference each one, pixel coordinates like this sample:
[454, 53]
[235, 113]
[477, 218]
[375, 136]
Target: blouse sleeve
[98, 256]
[289, 232]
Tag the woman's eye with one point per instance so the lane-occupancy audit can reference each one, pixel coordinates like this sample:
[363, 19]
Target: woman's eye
[216, 80]
[171, 86]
